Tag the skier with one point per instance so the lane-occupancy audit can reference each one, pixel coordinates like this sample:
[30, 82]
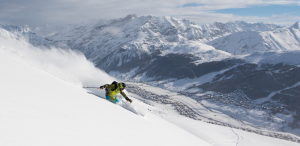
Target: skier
[112, 90]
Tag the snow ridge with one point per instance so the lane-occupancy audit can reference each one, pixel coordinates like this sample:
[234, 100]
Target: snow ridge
[296, 25]
[248, 42]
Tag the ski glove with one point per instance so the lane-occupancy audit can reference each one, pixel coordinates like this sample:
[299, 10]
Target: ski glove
[129, 100]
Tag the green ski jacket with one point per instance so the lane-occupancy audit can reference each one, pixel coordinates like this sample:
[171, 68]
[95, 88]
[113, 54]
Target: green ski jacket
[114, 89]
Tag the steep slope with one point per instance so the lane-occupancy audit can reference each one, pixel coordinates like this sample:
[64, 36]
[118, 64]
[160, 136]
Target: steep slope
[37, 108]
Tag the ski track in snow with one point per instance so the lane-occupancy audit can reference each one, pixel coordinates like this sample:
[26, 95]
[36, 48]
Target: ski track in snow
[236, 140]
[238, 137]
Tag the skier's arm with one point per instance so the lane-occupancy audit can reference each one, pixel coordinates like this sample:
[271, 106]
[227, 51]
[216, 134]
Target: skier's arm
[125, 96]
[104, 86]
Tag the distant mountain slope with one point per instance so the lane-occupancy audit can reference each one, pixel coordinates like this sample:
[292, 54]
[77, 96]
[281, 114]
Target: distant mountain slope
[25, 32]
[248, 42]
[138, 41]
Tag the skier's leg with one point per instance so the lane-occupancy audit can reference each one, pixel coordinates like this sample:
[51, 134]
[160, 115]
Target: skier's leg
[112, 98]
[107, 97]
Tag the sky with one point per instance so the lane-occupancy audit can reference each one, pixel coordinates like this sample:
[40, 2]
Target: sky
[37, 13]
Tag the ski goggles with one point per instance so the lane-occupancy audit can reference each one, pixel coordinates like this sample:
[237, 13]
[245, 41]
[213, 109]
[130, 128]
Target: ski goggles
[122, 89]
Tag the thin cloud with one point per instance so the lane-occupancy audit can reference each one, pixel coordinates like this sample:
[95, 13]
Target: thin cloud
[60, 12]
[113, 31]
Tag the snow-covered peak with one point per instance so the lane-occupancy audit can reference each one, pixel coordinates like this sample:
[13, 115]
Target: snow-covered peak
[296, 25]
[131, 16]
[16, 28]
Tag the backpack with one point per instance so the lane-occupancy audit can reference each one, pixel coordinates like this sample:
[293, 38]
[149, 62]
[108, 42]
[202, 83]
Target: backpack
[114, 83]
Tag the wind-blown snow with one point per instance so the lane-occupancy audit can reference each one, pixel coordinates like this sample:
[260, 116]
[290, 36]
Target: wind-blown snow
[69, 65]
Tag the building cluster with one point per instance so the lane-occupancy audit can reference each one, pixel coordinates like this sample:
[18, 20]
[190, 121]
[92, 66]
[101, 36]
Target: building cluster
[236, 98]
[180, 107]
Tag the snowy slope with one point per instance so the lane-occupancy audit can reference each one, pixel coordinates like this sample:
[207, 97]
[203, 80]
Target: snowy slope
[42, 103]
[248, 42]
[224, 136]
[37, 108]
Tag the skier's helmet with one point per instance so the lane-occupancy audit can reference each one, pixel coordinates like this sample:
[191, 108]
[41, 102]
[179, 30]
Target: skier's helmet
[124, 85]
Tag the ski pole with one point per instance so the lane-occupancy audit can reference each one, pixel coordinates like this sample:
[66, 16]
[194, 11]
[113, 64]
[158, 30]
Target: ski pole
[91, 87]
